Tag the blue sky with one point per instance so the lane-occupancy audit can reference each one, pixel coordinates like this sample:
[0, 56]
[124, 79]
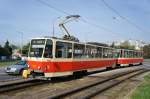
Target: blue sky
[34, 19]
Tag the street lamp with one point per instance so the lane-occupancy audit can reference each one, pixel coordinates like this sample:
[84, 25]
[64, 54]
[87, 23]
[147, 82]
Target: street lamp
[54, 21]
[21, 34]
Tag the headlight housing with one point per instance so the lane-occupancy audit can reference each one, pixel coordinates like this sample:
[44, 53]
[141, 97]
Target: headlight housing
[13, 69]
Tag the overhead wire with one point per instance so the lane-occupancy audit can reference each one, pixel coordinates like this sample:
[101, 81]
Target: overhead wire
[95, 25]
[122, 17]
[52, 7]
[82, 19]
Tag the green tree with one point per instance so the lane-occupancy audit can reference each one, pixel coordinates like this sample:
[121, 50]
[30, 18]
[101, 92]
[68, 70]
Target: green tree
[126, 45]
[4, 52]
[25, 49]
[14, 47]
[7, 48]
[146, 50]
[112, 45]
[6, 44]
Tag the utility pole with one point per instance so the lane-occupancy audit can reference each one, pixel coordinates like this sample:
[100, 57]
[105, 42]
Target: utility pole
[21, 38]
[54, 21]
[21, 42]
[53, 30]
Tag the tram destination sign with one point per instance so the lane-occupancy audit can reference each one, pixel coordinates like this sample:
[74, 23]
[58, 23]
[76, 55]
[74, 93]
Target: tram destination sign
[38, 42]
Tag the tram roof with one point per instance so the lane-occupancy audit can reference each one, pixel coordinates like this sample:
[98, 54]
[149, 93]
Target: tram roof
[86, 43]
[69, 41]
[130, 49]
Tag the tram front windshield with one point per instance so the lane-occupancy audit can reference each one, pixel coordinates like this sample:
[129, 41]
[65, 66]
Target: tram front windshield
[37, 47]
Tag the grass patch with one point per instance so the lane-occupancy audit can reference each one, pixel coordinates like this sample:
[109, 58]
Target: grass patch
[143, 91]
[7, 63]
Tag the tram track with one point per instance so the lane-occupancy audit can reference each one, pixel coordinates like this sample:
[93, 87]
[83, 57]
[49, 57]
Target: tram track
[93, 88]
[20, 84]
[9, 80]
[24, 84]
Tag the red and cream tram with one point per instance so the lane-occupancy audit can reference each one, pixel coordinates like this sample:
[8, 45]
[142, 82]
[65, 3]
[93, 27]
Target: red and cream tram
[56, 57]
[129, 57]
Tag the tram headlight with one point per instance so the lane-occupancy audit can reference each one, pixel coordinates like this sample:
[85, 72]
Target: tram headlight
[28, 66]
[39, 67]
[46, 67]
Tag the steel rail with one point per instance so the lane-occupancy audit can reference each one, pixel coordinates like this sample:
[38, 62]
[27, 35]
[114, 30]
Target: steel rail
[110, 84]
[91, 84]
[12, 86]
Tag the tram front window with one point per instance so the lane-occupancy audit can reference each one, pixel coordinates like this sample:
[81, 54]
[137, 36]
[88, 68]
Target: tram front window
[36, 48]
[36, 52]
[48, 49]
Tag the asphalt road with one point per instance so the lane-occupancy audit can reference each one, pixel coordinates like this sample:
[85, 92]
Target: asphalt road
[5, 77]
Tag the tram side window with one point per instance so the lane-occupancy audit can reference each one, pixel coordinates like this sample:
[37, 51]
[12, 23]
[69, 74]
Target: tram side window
[99, 52]
[88, 51]
[110, 53]
[63, 50]
[48, 49]
[79, 50]
[136, 54]
[116, 53]
[91, 51]
[105, 53]
[140, 54]
[131, 54]
[121, 53]
[126, 53]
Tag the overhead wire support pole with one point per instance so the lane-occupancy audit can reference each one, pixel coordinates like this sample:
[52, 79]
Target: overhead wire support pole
[54, 21]
[21, 34]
